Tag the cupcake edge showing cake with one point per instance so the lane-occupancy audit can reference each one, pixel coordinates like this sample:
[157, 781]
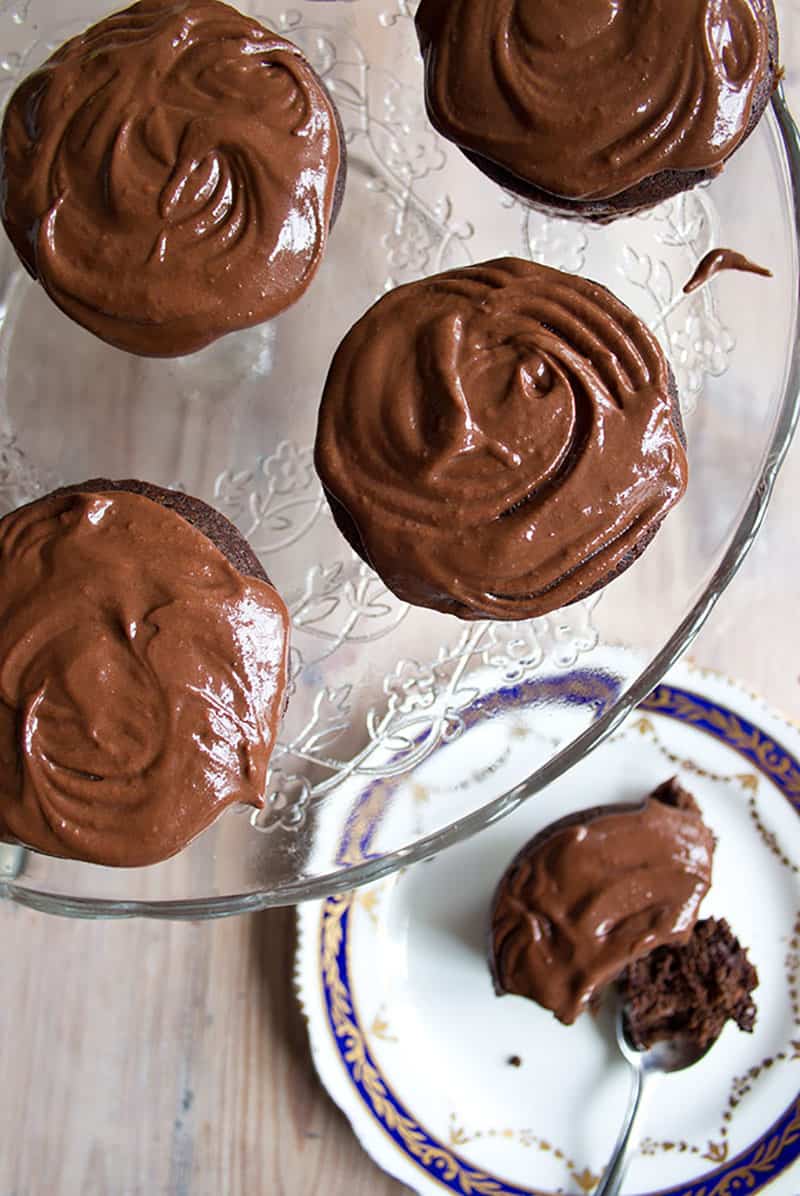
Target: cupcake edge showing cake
[143, 670]
[496, 137]
[690, 990]
[501, 440]
[163, 188]
[594, 892]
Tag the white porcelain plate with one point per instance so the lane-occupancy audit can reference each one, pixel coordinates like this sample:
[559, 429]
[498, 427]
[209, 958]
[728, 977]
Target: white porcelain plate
[410, 1040]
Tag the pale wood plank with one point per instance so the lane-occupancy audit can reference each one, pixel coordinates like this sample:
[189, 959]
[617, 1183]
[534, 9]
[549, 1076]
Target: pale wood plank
[146, 1058]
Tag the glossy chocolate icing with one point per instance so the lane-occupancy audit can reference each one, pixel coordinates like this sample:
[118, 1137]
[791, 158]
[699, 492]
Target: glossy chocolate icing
[718, 260]
[142, 679]
[586, 98]
[500, 440]
[593, 893]
[169, 175]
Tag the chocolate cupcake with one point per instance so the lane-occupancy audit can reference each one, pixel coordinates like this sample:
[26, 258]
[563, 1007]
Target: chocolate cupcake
[171, 175]
[595, 892]
[500, 441]
[143, 657]
[597, 109]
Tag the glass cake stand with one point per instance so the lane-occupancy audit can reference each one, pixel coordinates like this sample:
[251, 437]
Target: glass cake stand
[380, 690]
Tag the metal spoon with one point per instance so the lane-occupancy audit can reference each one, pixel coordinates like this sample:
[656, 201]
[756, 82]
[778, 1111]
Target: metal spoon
[673, 1054]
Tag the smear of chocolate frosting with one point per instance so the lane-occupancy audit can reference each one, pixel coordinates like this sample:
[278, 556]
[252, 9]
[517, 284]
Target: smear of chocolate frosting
[593, 893]
[586, 98]
[141, 679]
[502, 438]
[718, 260]
[169, 175]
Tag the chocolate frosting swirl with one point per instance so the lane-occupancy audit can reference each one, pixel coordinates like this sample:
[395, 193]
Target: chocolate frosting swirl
[141, 679]
[629, 88]
[592, 894]
[169, 176]
[500, 440]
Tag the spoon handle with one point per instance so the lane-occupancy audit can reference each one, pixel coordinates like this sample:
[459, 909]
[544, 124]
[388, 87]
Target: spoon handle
[611, 1183]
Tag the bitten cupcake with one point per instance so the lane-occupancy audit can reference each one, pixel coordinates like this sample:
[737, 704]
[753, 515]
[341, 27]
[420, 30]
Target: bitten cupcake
[610, 896]
[598, 108]
[143, 657]
[500, 441]
[595, 892]
[171, 175]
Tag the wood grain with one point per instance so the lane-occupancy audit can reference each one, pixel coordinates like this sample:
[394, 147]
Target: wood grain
[147, 1058]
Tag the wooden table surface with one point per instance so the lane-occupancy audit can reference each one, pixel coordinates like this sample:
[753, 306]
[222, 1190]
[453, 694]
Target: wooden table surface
[149, 1059]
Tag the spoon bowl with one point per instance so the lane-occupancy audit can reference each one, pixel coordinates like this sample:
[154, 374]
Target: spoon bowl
[664, 1057]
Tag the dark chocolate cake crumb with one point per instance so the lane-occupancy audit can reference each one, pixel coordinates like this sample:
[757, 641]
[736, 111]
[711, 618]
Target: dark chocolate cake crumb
[690, 990]
[672, 793]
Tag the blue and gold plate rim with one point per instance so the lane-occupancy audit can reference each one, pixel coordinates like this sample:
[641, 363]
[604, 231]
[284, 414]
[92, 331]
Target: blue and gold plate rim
[768, 1157]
